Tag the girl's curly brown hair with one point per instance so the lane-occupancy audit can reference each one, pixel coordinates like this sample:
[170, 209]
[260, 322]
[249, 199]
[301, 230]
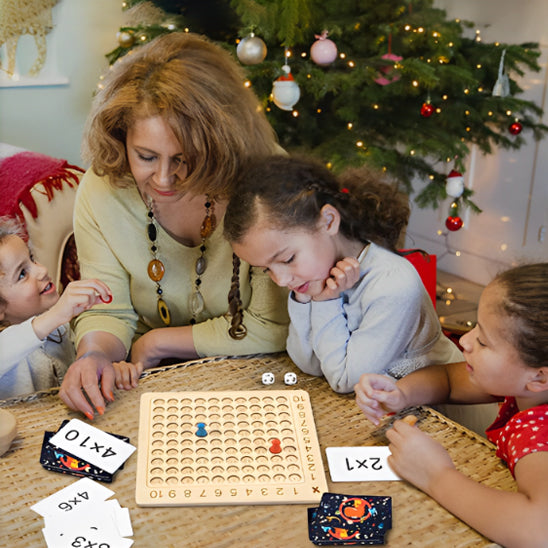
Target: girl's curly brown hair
[292, 190]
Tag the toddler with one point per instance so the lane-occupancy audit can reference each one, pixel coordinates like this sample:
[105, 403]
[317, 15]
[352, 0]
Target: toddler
[35, 344]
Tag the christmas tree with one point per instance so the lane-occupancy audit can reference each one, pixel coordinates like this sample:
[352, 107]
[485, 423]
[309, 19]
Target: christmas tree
[394, 84]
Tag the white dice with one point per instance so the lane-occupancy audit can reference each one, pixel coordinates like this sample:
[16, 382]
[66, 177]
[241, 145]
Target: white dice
[290, 378]
[268, 378]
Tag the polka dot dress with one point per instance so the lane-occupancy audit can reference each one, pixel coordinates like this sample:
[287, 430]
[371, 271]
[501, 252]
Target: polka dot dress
[518, 433]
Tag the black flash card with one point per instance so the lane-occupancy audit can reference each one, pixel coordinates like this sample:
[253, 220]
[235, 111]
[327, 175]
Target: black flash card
[350, 520]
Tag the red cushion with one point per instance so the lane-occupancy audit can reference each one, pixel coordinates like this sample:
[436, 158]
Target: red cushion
[426, 267]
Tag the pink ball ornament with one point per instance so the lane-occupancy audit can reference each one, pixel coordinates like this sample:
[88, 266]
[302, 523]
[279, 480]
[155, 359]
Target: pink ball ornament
[388, 74]
[323, 51]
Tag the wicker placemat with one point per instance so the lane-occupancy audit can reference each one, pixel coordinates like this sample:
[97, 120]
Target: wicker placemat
[417, 519]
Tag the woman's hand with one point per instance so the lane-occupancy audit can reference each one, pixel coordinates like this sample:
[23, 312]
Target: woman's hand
[127, 374]
[377, 395]
[88, 382]
[144, 349]
[416, 457]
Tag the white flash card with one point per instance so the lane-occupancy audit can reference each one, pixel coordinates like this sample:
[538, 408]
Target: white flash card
[121, 517]
[92, 445]
[96, 526]
[84, 492]
[360, 464]
[83, 534]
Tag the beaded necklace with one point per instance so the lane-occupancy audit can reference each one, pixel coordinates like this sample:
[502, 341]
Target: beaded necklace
[156, 268]
[196, 299]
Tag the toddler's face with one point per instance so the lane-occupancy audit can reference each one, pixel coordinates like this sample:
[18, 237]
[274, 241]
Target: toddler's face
[24, 283]
[298, 259]
[493, 362]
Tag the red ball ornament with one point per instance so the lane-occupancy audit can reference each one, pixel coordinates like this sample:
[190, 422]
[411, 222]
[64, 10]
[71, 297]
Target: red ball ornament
[515, 128]
[453, 223]
[427, 110]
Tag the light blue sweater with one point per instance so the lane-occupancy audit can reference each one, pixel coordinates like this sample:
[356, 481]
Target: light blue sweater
[28, 364]
[385, 324]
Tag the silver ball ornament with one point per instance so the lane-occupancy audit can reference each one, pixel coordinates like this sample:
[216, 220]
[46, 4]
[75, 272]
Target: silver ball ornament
[251, 50]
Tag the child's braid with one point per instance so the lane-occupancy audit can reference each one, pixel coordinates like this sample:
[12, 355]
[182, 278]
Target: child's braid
[237, 329]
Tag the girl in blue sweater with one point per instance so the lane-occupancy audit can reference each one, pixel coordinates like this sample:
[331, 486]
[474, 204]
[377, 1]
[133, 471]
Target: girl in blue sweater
[356, 306]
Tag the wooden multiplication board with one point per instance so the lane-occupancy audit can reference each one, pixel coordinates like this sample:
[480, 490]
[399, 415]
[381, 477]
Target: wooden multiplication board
[234, 462]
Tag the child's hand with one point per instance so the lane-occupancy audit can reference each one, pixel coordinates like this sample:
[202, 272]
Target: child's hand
[343, 276]
[416, 457]
[127, 374]
[77, 297]
[378, 394]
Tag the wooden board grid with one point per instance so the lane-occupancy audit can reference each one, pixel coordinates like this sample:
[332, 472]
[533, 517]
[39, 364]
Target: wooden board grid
[233, 463]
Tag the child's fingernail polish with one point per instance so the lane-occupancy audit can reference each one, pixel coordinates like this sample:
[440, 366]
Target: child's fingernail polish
[89, 415]
[101, 410]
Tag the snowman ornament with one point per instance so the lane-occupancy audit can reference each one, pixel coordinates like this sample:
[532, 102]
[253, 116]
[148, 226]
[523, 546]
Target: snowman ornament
[454, 185]
[285, 91]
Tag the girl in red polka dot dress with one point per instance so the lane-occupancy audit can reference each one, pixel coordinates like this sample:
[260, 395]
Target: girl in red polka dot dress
[506, 360]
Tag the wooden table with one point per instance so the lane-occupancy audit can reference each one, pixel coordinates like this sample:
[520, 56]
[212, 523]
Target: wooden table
[417, 519]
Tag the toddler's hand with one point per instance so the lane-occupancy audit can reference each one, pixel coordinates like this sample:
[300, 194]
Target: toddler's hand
[343, 276]
[378, 394]
[79, 296]
[127, 374]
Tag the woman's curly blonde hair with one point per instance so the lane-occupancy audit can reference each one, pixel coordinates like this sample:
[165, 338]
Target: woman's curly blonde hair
[199, 89]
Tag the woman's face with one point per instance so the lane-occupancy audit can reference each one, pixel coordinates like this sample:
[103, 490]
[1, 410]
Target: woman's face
[156, 159]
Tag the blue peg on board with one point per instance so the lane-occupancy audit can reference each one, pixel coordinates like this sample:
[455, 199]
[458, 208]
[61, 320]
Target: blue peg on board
[201, 432]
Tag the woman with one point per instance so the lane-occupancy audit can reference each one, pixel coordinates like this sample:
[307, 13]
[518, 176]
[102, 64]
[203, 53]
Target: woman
[166, 136]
